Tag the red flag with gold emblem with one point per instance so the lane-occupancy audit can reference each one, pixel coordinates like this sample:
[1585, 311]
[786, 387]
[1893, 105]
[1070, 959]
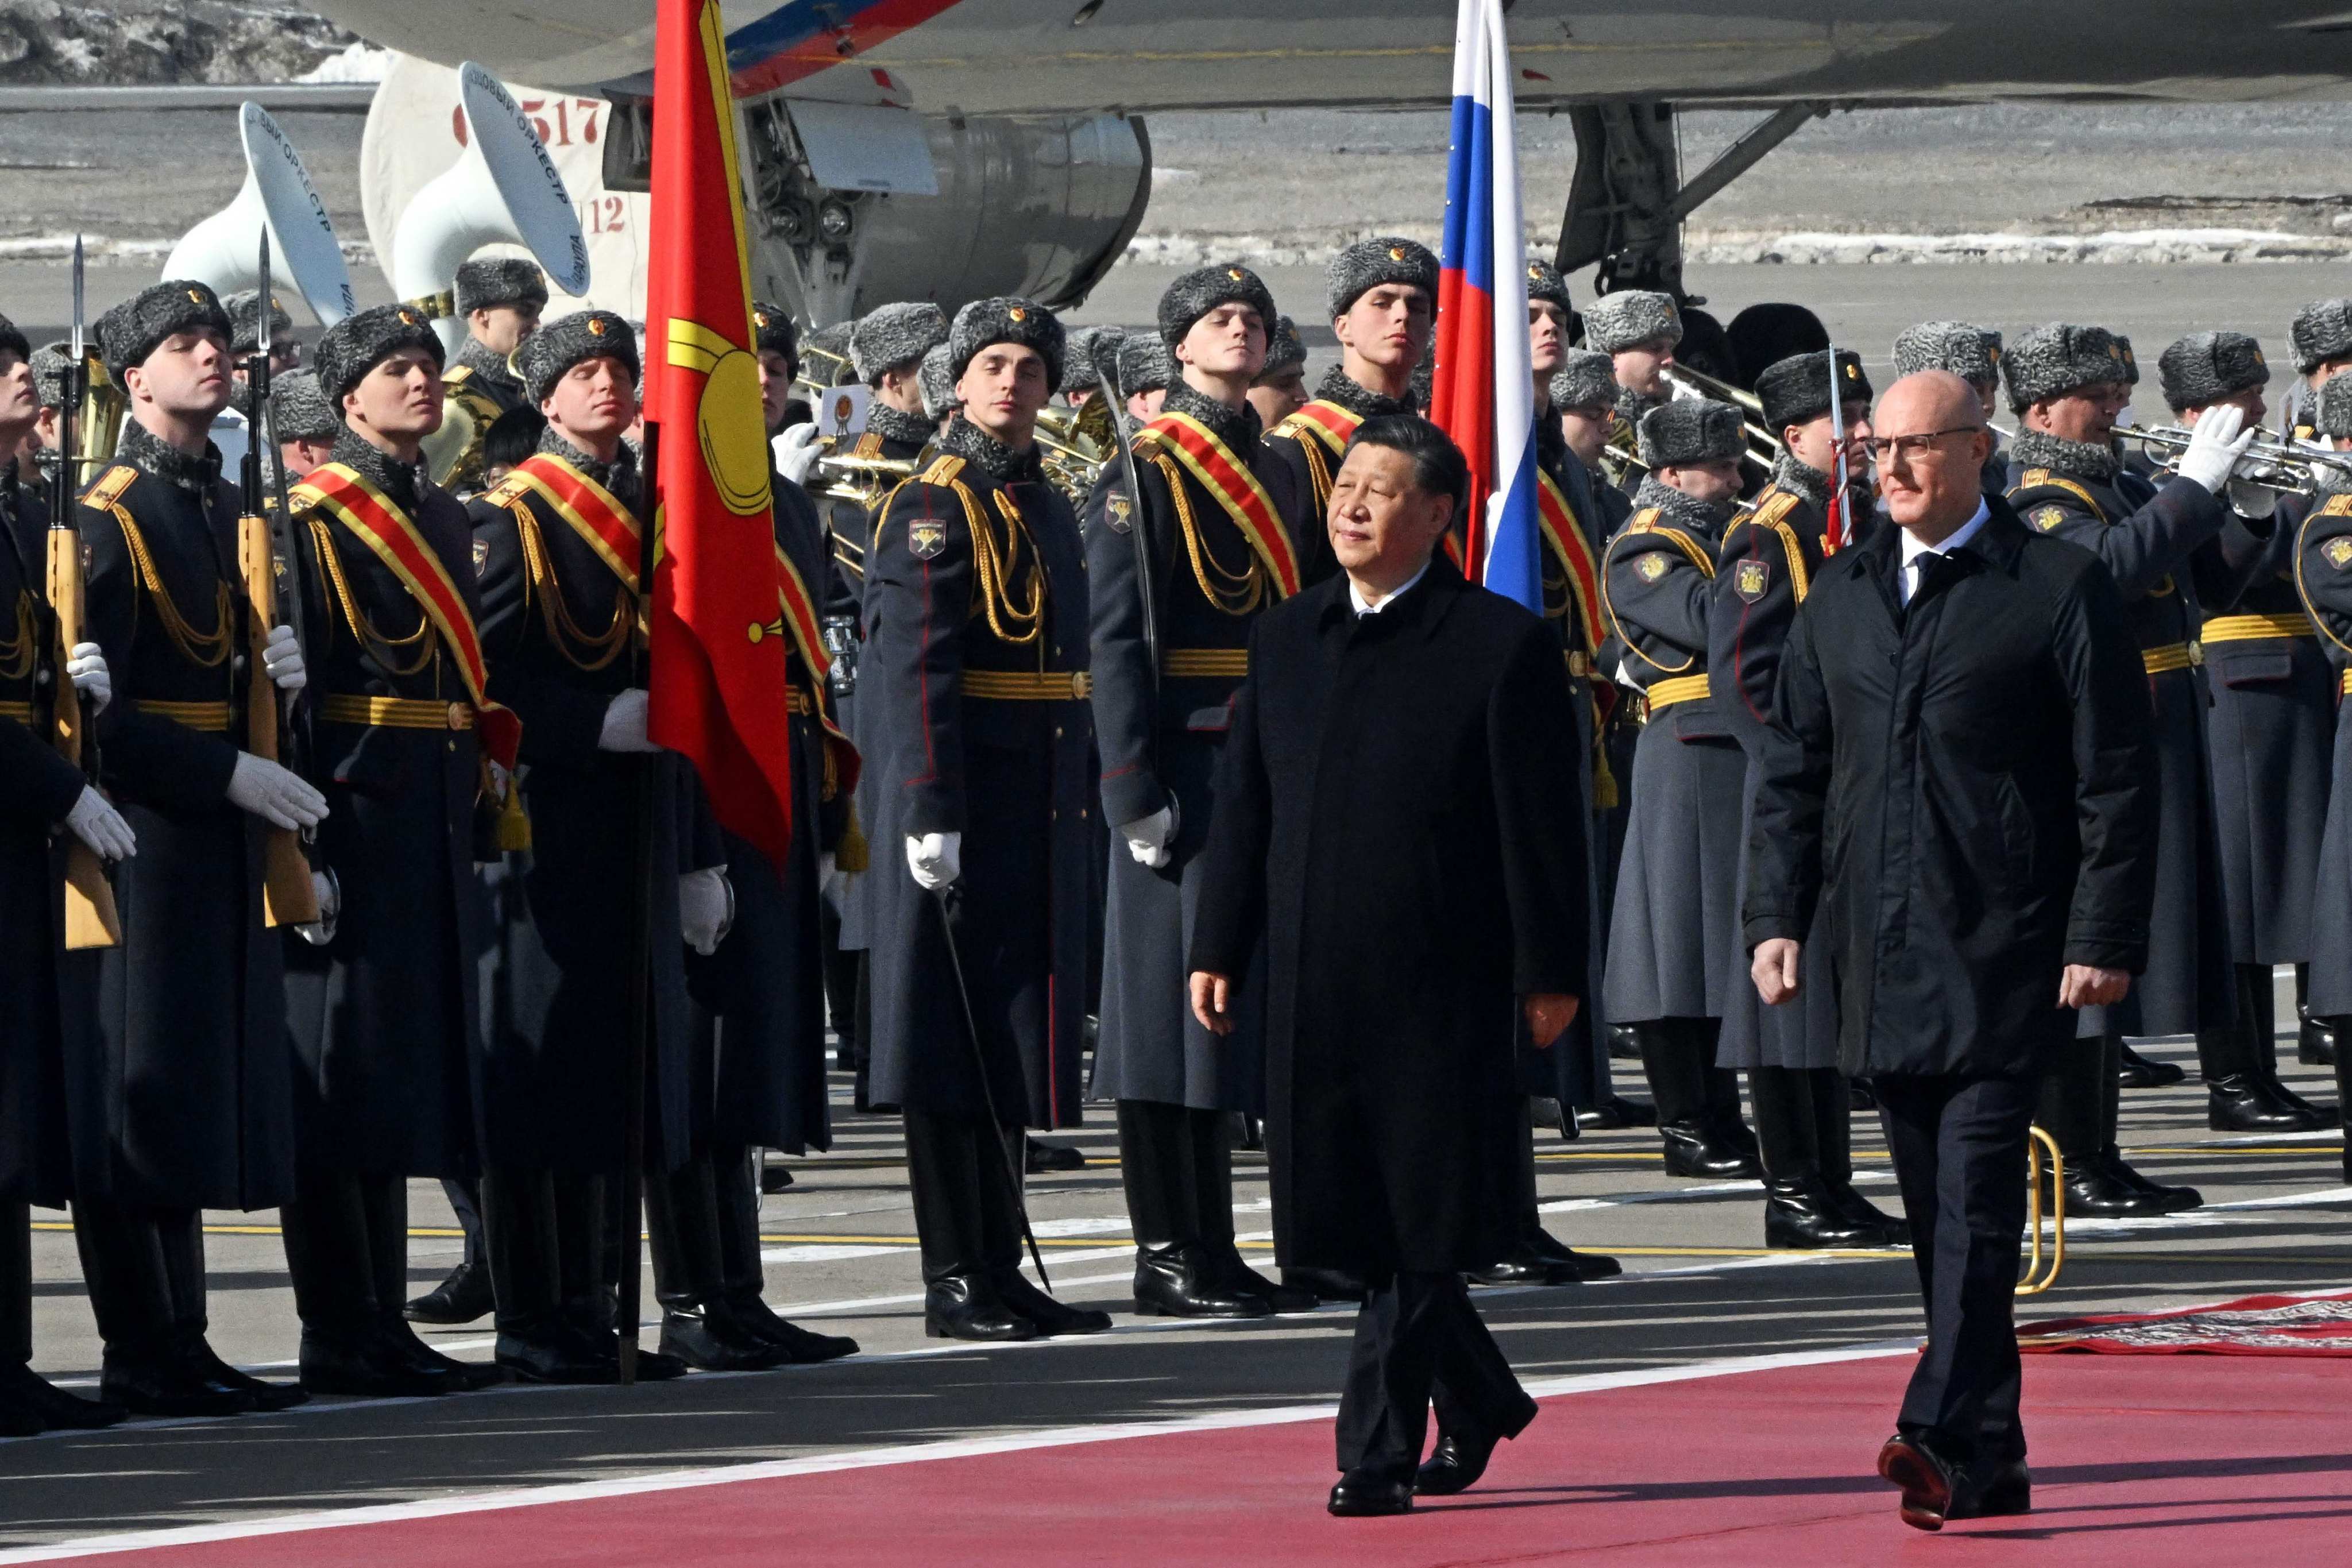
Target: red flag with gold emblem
[718, 690]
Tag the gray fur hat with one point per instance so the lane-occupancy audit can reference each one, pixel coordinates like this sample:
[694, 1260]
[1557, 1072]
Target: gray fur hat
[1285, 350]
[772, 333]
[1006, 319]
[2331, 406]
[2058, 358]
[1584, 380]
[1968, 350]
[1796, 390]
[131, 330]
[2131, 365]
[1631, 317]
[243, 308]
[891, 337]
[1691, 430]
[1079, 373]
[489, 281]
[2205, 367]
[50, 361]
[833, 343]
[549, 353]
[1202, 290]
[1544, 282]
[1368, 263]
[939, 384]
[299, 408]
[356, 344]
[1144, 365]
[2321, 331]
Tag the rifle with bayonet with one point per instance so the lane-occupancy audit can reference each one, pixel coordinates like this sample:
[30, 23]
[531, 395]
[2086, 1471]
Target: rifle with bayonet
[89, 913]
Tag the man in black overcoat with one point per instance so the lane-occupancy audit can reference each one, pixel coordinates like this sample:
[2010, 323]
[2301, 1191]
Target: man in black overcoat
[2322, 577]
[185, 1103]
[1985, 874]
[1398, 827]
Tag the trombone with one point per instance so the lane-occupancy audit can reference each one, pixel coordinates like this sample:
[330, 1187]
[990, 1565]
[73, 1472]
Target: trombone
[863, 481]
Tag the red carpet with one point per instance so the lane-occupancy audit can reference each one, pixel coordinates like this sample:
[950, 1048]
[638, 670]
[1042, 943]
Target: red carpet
[2138, 1462]
[2250, 1325]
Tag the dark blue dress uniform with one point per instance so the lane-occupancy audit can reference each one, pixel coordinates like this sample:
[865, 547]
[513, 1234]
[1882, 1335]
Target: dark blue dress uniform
[185, 1103]
[1161, 732]
[973, 698]
[557, 625]
[1670, 930]
[384, 1017]
[2323, 575]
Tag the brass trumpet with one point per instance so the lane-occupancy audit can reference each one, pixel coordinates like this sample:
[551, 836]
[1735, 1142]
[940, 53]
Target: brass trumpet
[865, 481]
[1074, 444]
[821, 371]
[2272, 466]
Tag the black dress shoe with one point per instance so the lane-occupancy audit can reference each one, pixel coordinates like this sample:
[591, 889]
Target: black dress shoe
[464, 1376]
[2174, 1199]
[462, 1298]
[1892, 1230]
[1044, 1158]
[803, 1347]
[1523, 1265]
[1803, 1214]
[198, 1357]
[653, 1366]
[1624, 1045]
[24, 1390]
[1181, 1282]
[1359, 1495]
[2143, 1073]
[1455, 1464]
[167, 1386]
[362, 1365]
[2247, 1102]
[1693, 1150]
[1996, 1490]
[2101, 1188]
[1325, 1284]
[1235, 1275]
[1616, 1112]
[556, 1353]
[1588, 1265]
[2315, 1045]
[712, 1342]
[1860, 1096]
[1925, 1477]
[964, 1307]
[1051, 1317]
[774, 1179]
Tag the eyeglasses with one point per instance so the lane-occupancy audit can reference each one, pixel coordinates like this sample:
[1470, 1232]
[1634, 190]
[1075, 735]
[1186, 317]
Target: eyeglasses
[1883, 449]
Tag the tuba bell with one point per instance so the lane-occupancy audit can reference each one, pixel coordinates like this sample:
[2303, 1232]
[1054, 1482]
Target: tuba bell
[1074, 444]
[278, 199]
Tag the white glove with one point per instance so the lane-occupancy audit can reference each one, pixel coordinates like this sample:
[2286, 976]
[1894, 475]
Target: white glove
[86, 667]
[796, 452]
[274, 794]
[624, 724]
[1148, 836]
[281, 659]
[96, 823]
[2215, 445]
[935, 860]
[706, 908]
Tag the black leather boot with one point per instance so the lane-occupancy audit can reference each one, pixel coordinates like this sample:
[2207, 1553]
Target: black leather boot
[2247, 1102]
[2144, 1072]
[1325, 1284]
[1173, 1281]
[2102, 1185]
[197, 1356]
[356, 1362]
[1052, 1317]
[2315, 1041]
[463, 1376]
[162, 1383]
[710, 1338]
[463, 1298]
[1615, 1112]
[27, 1393]
[1892, 1230]
[966, 1306]
[1588, 1265]
[1233, 1272]
[1692, 1149]
[1801, 1212]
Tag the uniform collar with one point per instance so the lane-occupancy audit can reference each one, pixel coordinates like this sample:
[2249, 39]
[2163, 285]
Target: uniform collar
[2074, 459]
[898, 424]
[488, 364]
[1236, 428]
[619, 477]
[1704, 518]
[990, 456]
[400, 482]
[1793, 474]
[1353, 395]
[150, 454]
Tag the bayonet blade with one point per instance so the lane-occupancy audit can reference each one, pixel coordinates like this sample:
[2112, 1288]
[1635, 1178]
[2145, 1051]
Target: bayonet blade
[77, 346]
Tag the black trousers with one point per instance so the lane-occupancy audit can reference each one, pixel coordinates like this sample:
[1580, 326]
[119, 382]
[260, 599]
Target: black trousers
[2080, 1099]
[1803, 1123]
[703, 1221]
[1419, 1341]
[16, 1282]
[544, 1233]
[465, 1196]
[1678, 1058]
[966, 1216]
[1960, 1145]
[1177, 1165]
[347, 1250]
[145, 1271]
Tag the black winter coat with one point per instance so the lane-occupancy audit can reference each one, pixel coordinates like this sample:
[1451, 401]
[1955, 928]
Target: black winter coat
[1966, 784]
[2322, 574]
[1392, 823]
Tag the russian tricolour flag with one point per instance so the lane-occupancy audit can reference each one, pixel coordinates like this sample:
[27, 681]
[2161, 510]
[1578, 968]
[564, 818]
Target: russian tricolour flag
[1483, 394]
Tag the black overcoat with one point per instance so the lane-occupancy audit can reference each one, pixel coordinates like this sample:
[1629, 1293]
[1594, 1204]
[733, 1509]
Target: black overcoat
[2323, 577]
[1967, 785]
[186, 1102]
[1390, 825]
[956, 696]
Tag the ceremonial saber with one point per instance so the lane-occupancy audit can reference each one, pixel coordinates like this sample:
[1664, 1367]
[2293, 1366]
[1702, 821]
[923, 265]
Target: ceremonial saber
[641, 950]
[941, 896]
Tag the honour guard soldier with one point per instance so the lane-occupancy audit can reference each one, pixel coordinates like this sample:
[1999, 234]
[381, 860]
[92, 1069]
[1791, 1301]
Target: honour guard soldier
[1081, 377]
[2323, 576]
[941, 402]
[1637, 329]
[1972, 354]
[1144, 372]
[886, 350]
[2321, 338]
[49, 362]
[245, 313]
[1280, 389]
[1672, 924]
[2067, 384]
[974, 690]
[2269, 726]
[44, 797]
[303, 422]
[759, 1021]
[498, 299]
[1211, 521]
[385, 1013]
[556, 549]
[1383, 295]
[1771, 557]
[185, 1102]
[1584, 404]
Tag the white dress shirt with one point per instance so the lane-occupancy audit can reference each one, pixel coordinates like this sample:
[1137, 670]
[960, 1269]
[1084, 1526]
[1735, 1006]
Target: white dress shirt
[1373, 607]
[1918, 557]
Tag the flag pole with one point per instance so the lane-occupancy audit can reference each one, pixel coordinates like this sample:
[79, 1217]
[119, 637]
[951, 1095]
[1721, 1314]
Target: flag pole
[643, 798]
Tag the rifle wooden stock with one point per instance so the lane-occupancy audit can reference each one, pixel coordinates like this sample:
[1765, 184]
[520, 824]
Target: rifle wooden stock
[90, 918]
[289, 897]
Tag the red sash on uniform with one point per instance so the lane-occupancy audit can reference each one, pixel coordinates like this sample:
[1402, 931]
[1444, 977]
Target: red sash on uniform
[1334, 423]
[800, 620]
[1229, 479]
[1567, 542]
[592, 512]
[376, 522]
